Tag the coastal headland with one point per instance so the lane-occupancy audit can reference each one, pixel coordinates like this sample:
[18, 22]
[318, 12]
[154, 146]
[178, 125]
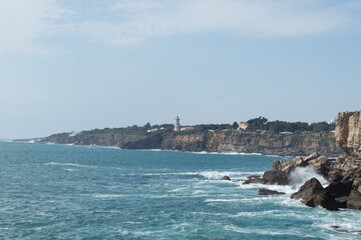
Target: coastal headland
[277, 139]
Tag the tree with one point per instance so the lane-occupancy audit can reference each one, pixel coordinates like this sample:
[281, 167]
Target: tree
[147, 125]
[235, 125]
[257, 123]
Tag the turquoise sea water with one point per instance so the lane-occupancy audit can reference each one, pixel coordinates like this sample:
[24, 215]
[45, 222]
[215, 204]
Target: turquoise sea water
[75, 192]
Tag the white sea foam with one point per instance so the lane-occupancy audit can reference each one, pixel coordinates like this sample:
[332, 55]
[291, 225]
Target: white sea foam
[211, 200]
[69, 164]
[71, 170]
[301, 174]
[107, 196]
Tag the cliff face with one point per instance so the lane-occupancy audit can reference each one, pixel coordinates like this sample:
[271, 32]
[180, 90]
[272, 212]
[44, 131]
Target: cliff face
[348, 132]
[273, 144]
[210, 141]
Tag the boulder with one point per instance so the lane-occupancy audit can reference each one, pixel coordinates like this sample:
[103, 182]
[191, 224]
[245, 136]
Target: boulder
[311, 157]
[339, 189]
[321, 164]
[265, 191]
[309, 188]
[254, 179]
[276, 177]
[226, 178]
[355, 193]
[354, 203]
[313, 194]
[288, 166]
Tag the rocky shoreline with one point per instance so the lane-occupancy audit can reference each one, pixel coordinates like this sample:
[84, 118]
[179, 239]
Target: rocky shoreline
[343, 173]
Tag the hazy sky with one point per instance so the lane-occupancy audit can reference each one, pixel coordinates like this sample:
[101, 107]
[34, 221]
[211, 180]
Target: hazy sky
[71, 65]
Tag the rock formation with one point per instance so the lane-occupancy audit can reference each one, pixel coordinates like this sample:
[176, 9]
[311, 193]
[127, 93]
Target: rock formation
[348, 132]
[343, 173]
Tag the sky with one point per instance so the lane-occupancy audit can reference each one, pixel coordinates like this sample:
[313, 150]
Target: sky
[72, 65]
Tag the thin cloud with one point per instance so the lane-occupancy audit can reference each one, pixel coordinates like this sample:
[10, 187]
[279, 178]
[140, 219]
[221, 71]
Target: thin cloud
[27, 26]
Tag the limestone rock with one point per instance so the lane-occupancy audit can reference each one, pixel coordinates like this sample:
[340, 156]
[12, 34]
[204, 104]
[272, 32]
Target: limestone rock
[354, 203]
[348, 132]
[312, 156]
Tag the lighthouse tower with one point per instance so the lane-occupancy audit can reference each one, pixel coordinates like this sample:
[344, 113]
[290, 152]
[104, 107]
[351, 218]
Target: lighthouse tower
[177, 125]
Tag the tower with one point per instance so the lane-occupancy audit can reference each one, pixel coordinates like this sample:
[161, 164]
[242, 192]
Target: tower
[177, 125]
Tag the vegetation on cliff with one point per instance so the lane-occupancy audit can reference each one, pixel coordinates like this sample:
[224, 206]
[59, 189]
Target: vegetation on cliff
[211, 138]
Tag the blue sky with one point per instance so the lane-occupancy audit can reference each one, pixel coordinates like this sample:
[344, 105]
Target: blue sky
[85, 64]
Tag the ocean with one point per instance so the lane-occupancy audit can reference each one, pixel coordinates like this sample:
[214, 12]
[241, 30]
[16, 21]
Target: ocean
[78, 192]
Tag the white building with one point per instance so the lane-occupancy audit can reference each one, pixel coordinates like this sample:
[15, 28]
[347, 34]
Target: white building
[177, 125]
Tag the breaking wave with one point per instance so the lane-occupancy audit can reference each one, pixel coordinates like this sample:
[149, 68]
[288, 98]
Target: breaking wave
[302, 174]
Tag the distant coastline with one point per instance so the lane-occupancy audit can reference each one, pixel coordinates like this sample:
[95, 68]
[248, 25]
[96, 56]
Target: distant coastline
[228, 141]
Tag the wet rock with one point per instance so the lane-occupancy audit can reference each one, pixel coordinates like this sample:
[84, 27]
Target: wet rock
[344, 230]
[226, 178]
[339, 189]
[313, 194]
[254, 179]
[265, 191]
[276, 177]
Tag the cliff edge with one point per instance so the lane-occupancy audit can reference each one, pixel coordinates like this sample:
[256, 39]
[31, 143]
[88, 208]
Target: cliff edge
[348, 132]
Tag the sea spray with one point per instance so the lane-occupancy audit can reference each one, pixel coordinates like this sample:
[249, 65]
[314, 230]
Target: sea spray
[301, 174]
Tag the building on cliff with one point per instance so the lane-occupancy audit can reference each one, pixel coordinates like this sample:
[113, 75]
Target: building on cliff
[177, 125]
[243, 126]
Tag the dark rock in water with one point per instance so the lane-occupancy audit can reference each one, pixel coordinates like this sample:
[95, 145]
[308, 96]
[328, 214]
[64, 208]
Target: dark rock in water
[339, 189]
[342, 202]
[313, 194]
[343, 230]
[265, 191]
[311, 187]
[276, 177]
[254, 179]
[226, 178]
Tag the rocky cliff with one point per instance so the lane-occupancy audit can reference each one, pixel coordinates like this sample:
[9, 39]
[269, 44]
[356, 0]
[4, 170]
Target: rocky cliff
[210, 141]
[343, 173]
[348, 132]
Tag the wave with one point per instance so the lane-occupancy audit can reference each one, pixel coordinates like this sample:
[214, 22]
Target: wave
[302, 174]
[69, 165]
[209, 175]
[107, 196]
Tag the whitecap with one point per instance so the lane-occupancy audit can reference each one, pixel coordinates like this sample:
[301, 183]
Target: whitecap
[107, 196]
[69, 164]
